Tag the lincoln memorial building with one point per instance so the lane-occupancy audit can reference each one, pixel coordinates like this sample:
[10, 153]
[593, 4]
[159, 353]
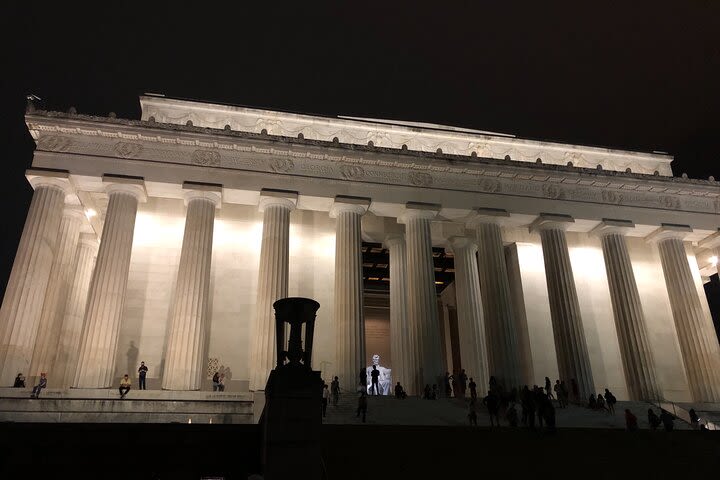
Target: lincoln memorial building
[167, 240]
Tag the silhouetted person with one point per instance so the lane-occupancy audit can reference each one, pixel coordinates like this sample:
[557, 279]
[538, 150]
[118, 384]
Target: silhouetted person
[142, 373]
[427, 392]
[601, 403]
[539, 399]
[455, 386]
[473, 389]
[19, 381]
[472, 413]
[463, 378]
[221, 383]
[565, 393]
[38, 388]
[492, 402]
[124, 385]
[216, 381]
[694, 419]
[653, 419]
[362, 405]
[325, 397]
[446, 384]
[434, 392]
[559, 395]
[549, 414]
[548, 388]
[335, 391]
[375, 379]
[400, 391]
[631, 421]
[667, 421]
[592, 403]
[610, 400]
[363, 379]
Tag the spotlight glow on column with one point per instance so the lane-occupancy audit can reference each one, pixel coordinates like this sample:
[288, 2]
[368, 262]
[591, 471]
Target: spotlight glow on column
[714, 260]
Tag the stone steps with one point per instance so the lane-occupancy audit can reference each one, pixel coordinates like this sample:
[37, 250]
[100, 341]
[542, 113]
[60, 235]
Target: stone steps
[106, 406]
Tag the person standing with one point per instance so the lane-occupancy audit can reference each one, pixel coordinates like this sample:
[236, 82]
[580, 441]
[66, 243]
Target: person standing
[610, 400]
[653, 419]
[216, 381]
[221, 382]
[325, 397]
[375, 377]
[335, 391]
[446, 384]
[463, 382]
[492, 402]
[473, 389]
[472, 413]
[559, 394]
[124, 386]
[142, 373]
[38, 388]
[548, 389]
[667, 421]
[363, 379]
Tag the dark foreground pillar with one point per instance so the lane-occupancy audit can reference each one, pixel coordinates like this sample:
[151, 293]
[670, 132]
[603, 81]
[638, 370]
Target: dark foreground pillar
[292, 418]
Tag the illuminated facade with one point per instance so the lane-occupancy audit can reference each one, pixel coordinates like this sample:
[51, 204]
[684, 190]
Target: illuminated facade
[167, 240]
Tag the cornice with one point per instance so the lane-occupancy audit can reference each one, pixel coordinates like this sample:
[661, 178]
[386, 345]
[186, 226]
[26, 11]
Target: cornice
[132, 139]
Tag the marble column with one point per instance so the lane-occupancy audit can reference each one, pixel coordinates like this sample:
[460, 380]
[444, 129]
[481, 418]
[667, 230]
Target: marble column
[570, 344]
[348, 309]
[272, 281]
[189, 327]
[502, 337]
[698, 342]
[106, 295]
[27, 285]
[53, 309]
[471, 325]
[637, 358]
[421, 293]
[65, 362]
[401, 337]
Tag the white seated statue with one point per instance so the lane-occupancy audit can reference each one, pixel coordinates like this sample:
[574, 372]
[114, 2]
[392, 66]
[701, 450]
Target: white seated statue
[384, 379]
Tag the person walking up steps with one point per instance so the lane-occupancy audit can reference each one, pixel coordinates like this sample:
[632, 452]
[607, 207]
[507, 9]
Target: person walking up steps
[473, 389]
[335, 391]
[362, 405]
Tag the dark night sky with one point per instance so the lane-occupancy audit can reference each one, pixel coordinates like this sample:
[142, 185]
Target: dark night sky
[629, 75]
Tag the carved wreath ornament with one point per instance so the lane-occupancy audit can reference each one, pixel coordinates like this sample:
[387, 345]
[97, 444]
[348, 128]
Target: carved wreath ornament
[352, 172]
[281, 165]
[420, 179]
[54, 143]
[206, 157]
[127, 149]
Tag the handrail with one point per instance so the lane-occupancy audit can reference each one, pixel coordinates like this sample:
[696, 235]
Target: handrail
[680, 413]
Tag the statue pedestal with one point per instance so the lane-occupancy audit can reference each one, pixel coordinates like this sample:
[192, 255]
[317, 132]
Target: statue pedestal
[291, 424]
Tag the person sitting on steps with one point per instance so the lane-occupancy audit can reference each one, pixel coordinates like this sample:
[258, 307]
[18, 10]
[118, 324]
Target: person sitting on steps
[124, 386]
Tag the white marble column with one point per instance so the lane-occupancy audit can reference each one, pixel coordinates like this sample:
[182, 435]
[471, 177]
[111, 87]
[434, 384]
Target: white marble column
[53, 309]
[471, 325]
[65, 362]
[189, 327]
[568, 331]
[502, 337]
[27, 285]
[401, 336]
[272, 282]
[421, 293]
[637, 358]
[698, 341]
[348, 309]
[106, 296]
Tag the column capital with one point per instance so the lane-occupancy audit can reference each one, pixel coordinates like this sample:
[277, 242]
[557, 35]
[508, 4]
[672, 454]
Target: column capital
[461, 242]
[610, 226]
[134, 186]
[394, 239]
[74, 212]
[206, 191]
[668, 231]
[712, 241]
[421, 210]
[90, 240]
[487, 215]
[344, 203]
[38, 177]
[277, 198]
[551, 221]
